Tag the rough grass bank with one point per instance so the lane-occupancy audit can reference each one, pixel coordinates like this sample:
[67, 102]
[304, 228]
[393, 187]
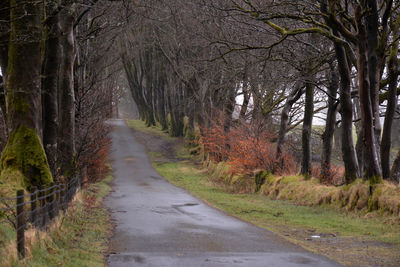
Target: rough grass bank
[80, 238]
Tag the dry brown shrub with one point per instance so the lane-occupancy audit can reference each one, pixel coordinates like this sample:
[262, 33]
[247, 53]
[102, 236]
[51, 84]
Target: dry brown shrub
[245, 147]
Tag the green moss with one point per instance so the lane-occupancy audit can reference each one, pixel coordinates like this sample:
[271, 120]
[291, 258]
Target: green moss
[189, 134]
[291, 179]
[259, 178]
[24, 152]
[353, 198]
[373, 201]
[375, 180]
[17, 102]
[10, 182]
[169, 123]
[220, 170]
[20, 104]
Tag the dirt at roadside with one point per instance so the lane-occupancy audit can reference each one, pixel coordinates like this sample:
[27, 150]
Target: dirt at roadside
[165, 149]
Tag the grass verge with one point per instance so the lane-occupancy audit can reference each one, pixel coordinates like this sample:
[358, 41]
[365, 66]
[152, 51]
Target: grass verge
[153, 130]
[346, 237]
[350, 238]
[80, 238]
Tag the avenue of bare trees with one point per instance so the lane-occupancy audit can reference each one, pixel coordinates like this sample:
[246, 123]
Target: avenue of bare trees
[322, 77]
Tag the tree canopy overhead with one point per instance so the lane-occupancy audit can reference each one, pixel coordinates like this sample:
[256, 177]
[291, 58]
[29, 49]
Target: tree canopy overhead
[268, 66]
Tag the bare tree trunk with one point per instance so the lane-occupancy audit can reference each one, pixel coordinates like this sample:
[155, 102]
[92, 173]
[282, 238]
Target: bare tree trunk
[176, 112]
[131, 72]
[294, 95]
[4, 43]
[150, 119]
[24, 151]
[372, 167]
[190, 112]
[148, 72]
[360, 150]
[395, 172]
[327, 138]
[360, 138]
[161, 107]
[396, 129]
[387, 127]
[245, 104]
[50, 74]
[306, 131]
[66, 142]
[393, 66]
[372, 25]
[348, 152]
[256, 112]
[228, 108]
[3, 108]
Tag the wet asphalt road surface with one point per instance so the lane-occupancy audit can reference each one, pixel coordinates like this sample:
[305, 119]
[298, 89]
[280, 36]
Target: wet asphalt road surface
[158, 224]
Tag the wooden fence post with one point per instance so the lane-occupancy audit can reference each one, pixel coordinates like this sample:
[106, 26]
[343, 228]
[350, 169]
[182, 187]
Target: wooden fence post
[42, 196]
[57, 200]
[33, 206]
[62, 197]
[20, 224]
[50, 201]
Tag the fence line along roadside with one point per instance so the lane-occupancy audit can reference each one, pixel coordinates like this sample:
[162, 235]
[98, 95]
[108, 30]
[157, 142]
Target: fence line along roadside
[36, 209]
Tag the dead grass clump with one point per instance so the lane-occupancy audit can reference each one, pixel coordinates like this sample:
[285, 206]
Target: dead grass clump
[221, 175]
[385, 197]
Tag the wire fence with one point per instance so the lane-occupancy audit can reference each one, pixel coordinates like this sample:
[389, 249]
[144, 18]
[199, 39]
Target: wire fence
[36, 209]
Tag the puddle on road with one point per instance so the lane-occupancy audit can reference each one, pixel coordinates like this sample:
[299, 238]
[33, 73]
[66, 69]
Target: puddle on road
[129, 159]
[174, 209]
[185, 205]
[144, 184]
[180, 208]
[118, 196]
[121, 211]
[164, 210]
[301, 260]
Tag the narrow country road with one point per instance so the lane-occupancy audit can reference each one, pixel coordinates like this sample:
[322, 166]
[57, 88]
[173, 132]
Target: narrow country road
[158, 224]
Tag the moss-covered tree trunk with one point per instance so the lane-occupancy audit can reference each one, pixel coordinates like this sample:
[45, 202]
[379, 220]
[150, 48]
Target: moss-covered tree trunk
[23, 160]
